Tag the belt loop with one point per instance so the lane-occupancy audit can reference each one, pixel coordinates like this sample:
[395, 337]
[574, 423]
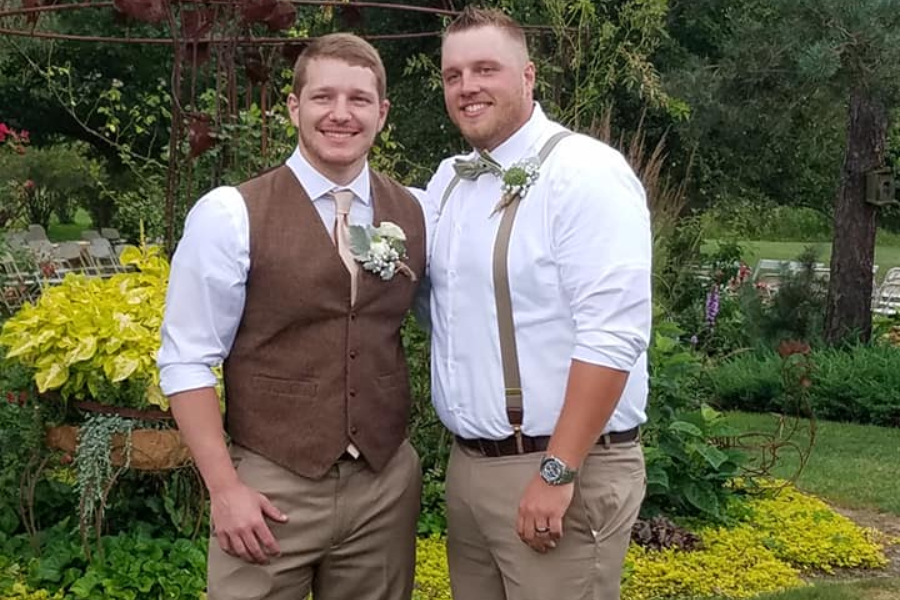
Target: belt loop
[520, 446]
[605, 440]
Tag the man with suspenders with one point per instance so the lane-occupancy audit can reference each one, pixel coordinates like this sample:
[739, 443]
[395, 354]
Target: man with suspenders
[540, 315]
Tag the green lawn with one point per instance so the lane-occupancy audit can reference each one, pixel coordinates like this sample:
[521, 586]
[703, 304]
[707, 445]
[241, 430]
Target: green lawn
[869, 589]
[64, 233]
[887, 252]
[857, 466]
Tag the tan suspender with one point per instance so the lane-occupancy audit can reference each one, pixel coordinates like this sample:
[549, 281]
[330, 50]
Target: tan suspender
[508, 351]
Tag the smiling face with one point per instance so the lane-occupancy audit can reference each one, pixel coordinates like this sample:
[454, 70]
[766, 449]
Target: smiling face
[337, 113]
[488, 84]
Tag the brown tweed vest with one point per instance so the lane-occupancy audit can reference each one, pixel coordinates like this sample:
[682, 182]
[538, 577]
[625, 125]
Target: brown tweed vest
[308, 374]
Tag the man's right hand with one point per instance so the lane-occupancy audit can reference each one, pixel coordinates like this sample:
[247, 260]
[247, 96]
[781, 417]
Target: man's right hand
[238, 516]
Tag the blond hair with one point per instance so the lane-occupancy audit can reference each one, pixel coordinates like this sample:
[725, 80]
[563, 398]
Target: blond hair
[346, 47]
[475, 18]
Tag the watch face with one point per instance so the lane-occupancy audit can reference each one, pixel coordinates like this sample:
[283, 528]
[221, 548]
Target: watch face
[551, 470]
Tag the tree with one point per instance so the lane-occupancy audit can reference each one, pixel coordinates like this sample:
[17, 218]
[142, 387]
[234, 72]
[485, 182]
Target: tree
[776, 79]
[853, 48]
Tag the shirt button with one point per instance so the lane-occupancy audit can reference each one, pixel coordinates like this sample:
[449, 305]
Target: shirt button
[353, 393]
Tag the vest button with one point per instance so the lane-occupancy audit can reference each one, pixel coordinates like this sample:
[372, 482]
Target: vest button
[353, 430]
[353, 354]
[353, 393]
[353, 316]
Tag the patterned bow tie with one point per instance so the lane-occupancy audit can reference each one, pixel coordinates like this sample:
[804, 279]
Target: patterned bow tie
[473, 168]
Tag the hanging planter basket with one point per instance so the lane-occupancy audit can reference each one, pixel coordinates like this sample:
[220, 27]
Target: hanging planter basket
[151, 449]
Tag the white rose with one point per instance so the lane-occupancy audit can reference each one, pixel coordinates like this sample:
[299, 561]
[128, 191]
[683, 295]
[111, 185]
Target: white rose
[391, 230]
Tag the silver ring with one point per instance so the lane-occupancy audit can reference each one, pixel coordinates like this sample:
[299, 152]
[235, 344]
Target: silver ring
[541, 530]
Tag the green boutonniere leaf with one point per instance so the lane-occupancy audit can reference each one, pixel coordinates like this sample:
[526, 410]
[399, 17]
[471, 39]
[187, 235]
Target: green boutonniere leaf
[359, 240]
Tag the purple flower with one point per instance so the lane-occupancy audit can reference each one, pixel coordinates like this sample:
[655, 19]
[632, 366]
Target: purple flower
[712, 306]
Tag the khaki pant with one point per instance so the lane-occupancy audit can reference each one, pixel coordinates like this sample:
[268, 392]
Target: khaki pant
[487, 559]
[350, 535]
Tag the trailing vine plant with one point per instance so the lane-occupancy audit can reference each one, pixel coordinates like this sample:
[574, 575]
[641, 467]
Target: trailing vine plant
[94, 467]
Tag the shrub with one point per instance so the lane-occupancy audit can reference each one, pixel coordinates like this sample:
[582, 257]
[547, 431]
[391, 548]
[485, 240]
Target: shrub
[96, 338]
[52, 179]
[795, 311]
[760, 219]
[686, 472]
[857, 384]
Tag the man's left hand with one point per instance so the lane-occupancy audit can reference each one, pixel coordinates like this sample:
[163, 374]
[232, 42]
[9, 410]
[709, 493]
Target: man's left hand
[541, 512]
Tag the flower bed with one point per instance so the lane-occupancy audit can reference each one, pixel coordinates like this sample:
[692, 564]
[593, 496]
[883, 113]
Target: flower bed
[777, 539]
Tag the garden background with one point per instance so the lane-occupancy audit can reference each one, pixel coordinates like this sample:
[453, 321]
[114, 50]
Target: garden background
[757, 129]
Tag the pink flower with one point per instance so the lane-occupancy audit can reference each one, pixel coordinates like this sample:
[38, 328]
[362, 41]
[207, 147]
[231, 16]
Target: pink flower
[24, 136]
[4, 131]
[29, 184]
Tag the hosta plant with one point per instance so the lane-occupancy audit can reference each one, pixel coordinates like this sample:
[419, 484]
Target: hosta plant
[93, 338]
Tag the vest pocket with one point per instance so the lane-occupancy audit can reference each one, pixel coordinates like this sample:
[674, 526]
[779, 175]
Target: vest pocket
[288, 387]
[392, 380]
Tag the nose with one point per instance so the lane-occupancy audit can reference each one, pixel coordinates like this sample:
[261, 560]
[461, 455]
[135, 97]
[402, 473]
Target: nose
[468, 83]
[340, 111]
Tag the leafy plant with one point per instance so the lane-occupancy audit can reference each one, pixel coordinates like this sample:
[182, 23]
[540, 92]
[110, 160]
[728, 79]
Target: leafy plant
[96, 338]
[93, 461]
[687, 474]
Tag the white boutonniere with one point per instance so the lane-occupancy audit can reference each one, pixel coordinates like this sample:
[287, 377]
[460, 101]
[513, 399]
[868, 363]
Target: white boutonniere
[517, 180]
[380, 250]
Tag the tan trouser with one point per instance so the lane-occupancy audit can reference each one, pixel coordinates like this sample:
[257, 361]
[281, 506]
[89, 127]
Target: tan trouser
[350, 535]
[487, 559]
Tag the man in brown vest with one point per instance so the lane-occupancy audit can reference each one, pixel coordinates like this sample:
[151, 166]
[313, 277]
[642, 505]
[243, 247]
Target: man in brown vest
[320, 491]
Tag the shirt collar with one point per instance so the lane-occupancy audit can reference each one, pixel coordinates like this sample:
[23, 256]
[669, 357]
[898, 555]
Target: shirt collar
[522, 143]
[317, 185]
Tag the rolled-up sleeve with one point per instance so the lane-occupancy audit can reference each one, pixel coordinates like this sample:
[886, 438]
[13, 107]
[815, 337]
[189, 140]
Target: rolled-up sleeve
[602, 245]
[206, 293]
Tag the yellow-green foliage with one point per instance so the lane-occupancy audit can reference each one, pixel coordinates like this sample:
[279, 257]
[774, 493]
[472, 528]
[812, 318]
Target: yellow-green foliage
[781, 535]
[732, 564]
[807, 533]
[431, 570]
[20, 591]
[88, 332]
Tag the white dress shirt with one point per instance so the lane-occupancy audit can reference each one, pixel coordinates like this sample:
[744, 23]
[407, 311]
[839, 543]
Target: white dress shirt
[579, 273]
[207, 283]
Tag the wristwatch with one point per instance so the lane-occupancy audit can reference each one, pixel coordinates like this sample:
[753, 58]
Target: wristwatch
[556, 472]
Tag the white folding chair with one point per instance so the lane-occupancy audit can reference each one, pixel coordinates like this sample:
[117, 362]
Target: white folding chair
[102, 258]
[36, 233]
[16, 286]
[111, 233]
[887, 301]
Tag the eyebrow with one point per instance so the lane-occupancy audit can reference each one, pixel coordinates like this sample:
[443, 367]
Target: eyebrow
[485, 62]
[352, 92]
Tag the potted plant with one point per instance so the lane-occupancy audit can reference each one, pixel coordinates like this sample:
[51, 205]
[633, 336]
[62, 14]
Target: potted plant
[91, 345]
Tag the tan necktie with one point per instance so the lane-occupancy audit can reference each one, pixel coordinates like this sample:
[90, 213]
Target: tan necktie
[342, 201]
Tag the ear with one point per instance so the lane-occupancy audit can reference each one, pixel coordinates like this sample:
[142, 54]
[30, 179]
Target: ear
[383, 113]
[530, 75]
[293, 104]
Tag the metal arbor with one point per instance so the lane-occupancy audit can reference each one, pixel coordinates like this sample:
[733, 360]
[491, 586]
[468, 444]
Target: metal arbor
[234, 43]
